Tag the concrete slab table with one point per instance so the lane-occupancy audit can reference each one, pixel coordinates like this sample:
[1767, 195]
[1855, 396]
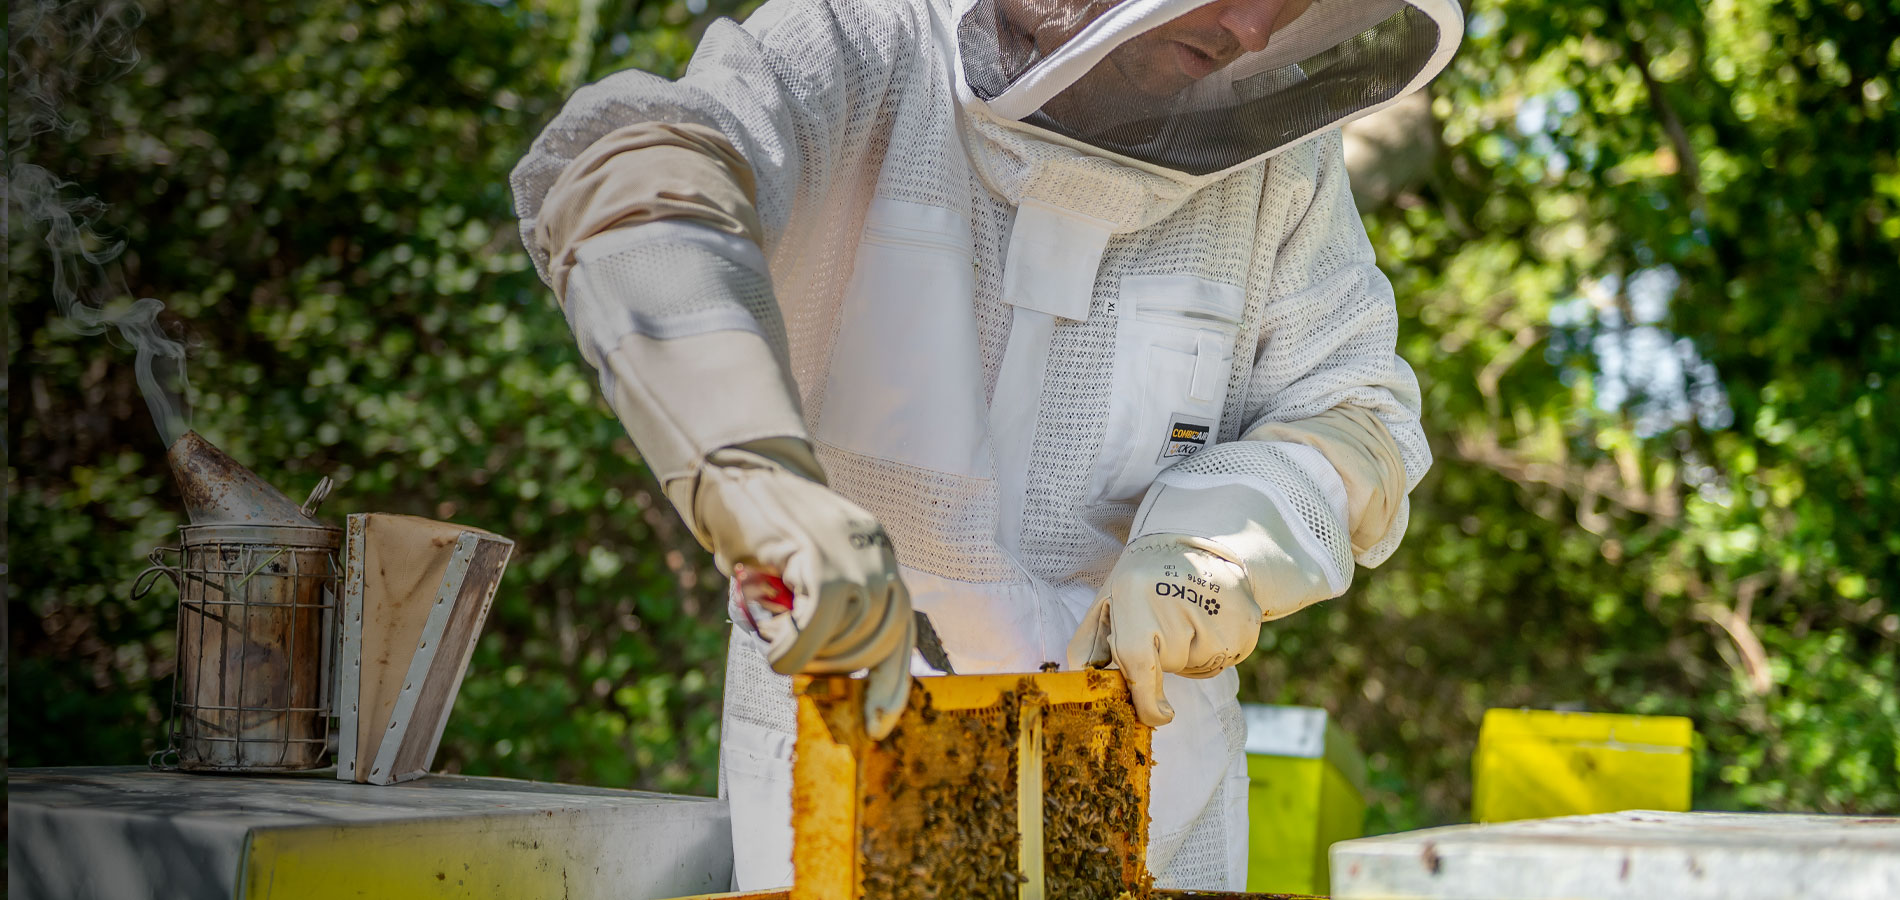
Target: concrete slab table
[131, 833]
[1630, 855]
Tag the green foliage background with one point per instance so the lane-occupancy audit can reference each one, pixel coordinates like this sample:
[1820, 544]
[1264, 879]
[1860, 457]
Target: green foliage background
[317, 191]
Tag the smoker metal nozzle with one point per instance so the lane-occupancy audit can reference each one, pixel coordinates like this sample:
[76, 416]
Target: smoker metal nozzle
[217, 490]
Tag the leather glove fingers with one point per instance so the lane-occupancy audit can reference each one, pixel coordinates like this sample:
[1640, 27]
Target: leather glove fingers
[1172, 604]
[850, 610]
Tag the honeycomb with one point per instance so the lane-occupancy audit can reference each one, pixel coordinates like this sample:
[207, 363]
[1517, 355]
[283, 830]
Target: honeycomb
[938, 809]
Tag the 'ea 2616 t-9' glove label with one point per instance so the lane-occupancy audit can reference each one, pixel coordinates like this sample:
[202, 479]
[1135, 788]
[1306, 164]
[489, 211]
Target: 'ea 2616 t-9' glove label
[1187, 584]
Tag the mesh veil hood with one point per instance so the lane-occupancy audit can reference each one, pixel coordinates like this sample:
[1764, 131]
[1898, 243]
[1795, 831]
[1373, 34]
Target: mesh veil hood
[1128, 79]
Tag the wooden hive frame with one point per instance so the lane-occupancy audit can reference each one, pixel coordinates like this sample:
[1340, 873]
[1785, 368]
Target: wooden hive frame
[1026, 787]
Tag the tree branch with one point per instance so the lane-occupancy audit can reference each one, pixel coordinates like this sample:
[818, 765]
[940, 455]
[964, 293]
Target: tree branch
[1598, 481]
[1686, 166]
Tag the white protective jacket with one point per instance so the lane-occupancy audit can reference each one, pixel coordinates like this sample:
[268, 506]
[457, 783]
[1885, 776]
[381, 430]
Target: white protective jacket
[1004, 420]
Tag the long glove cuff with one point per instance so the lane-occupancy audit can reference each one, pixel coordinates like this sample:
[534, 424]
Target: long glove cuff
[784, 454]
[680, 321]
[1240, 523]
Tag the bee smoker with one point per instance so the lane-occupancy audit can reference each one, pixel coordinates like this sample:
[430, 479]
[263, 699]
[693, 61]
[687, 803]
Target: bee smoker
[257, 580]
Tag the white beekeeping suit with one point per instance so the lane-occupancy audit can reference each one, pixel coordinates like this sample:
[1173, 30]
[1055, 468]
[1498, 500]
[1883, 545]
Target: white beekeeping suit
[1051, 289]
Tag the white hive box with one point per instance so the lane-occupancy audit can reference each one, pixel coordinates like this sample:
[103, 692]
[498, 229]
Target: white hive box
[126, 833]
[1633, 855]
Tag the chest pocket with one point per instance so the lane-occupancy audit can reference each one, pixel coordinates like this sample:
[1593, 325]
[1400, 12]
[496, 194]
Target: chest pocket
[905, 381]
[1174, 351]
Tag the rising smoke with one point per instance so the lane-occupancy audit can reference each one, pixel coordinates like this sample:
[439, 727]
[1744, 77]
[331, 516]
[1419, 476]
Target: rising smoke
[53, 48]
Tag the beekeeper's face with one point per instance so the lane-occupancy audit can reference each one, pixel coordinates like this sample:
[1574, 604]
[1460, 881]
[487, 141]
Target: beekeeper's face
[1199, 43]
[1168, 58]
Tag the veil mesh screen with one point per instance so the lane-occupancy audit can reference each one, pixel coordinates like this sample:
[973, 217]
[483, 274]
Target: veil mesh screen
[991, 61]
[1222, 120]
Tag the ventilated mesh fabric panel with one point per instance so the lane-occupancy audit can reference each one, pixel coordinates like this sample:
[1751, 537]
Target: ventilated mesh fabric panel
[670, 288]
[990, 219]
[1318, 331]
[1203, 857]
[1382, 551]
[754, 693]
[1211, 854]
[1070, 435]
[940, 523]
[1331, 330]
[1264, 465]
[1016, 163]
[1069, 531]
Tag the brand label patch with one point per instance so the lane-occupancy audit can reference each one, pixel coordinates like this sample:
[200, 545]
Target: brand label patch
[1187, 435]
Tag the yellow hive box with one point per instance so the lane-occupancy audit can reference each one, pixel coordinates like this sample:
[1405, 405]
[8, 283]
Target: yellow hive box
[1306, 790]
[1536, 764]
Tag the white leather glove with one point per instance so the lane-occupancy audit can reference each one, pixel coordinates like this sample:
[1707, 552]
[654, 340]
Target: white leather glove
[1173, 603]
[850, 609]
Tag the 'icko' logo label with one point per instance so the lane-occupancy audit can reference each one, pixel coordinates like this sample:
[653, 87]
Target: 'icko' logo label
[1187, 435]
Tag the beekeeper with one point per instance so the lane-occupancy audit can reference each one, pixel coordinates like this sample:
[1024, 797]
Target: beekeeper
[1050, 318]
